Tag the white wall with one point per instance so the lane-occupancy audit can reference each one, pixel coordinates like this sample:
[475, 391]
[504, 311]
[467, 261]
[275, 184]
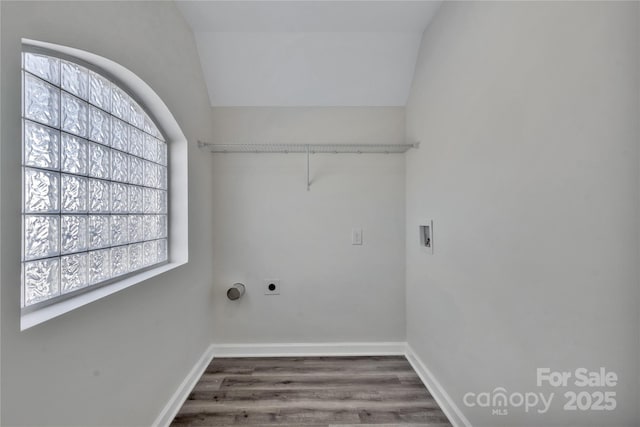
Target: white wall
[267, 226]
[116, 361]
[528, 113]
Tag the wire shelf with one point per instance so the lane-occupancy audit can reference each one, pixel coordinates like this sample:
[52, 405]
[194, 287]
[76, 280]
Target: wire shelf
[307, 148]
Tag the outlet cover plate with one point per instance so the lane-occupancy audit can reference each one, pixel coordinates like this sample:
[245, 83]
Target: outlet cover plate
[356, 236]
[268, 285]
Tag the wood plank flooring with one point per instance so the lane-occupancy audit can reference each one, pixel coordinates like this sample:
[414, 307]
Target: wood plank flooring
[310, 391]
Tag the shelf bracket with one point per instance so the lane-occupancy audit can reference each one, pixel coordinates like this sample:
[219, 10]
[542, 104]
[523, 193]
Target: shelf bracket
[308, 172]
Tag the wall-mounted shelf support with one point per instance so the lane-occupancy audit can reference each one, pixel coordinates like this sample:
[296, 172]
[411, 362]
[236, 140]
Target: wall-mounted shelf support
[307, 149]
[308, 172]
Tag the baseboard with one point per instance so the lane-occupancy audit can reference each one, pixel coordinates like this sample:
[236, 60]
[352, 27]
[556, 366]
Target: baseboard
[310, 349]
[451, 410]
[446, 403]
[176, 401]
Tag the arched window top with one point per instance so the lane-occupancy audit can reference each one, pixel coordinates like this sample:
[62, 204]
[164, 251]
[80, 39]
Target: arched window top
[93, 87]
[95, 181]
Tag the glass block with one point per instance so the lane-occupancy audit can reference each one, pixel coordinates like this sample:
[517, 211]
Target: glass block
[119, 199]
[75, 155]
[41, 280]
[135, 257]
[74, 79]
[74, 194]
[151, 149]
[119, 230]
[150, 252]
[41, 191]
[162, 150]
[120, 135]
[41, 146]
[99, 161]
[162, 202]
[74, 272]
[43, 66]
[99, 91]
[99, 235]
[157, 176]
[119, 103]
[151, 202]
[163, 253]
[99, 125]
[158, 150]
[136, 175]
[162, 226]
[136, 142]
[163, 177]
[74, 233]
[119, 261]
[75, 115]
[150, 227]
[41, 102]
[151, 128]
[119, 166]
[135, 228]
[136, 117]
[99, 266]
[136, 204]
[99, 196]
[41, 236]
[151, 174]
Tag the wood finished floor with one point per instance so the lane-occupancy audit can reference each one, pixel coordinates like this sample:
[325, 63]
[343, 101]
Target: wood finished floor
[310, 391]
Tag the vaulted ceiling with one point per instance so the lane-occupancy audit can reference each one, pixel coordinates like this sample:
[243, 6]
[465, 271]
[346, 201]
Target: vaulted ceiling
[308, 53]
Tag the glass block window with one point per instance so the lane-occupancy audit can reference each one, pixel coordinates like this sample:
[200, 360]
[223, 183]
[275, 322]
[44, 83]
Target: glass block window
[94, 170]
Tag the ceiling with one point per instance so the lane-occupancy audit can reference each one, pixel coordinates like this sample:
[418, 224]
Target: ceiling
[308, 53]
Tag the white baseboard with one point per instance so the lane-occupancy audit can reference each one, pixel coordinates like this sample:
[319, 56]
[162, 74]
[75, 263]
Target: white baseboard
[177, 399]
[451, 410]
[448, 406]
[310, 349]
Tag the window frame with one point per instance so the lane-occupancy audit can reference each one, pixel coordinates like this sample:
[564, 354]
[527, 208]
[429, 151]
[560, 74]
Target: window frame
[177, 213]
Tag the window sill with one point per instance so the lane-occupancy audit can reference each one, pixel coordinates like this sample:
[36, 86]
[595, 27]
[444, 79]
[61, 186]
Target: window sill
[34, 318]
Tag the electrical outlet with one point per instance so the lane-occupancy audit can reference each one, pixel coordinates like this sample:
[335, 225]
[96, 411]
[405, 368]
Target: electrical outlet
[356, 236]
[272, 287]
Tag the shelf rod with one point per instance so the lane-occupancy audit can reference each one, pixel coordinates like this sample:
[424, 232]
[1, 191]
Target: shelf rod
[303, 148]
[308, 149]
